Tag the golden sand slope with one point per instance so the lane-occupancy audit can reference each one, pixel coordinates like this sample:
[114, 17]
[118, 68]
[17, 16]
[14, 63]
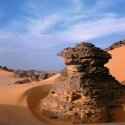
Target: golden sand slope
[117, 64]
[7, 78]
[13, 100]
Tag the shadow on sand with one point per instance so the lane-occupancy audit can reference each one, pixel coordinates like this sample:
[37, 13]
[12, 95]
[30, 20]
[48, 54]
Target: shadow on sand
[34, 95]
[17, 115]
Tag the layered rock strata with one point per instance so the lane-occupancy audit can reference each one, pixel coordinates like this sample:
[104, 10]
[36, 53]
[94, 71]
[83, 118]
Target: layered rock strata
[85, 92]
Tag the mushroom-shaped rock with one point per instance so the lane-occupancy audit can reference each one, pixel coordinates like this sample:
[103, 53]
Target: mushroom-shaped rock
[85, 91]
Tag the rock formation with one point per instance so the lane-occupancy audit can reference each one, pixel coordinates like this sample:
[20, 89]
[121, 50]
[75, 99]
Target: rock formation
[29, 75]
[116, 45]
[85, 92]
[33, 75]
[6, 69]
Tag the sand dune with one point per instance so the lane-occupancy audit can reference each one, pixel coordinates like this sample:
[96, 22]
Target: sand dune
[18, 102]
[117, 64]
[14, 109]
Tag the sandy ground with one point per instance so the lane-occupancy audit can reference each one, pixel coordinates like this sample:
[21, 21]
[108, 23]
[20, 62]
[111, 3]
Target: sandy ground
[14, 109]
[116, 65]
[18, 102]
[7, 76]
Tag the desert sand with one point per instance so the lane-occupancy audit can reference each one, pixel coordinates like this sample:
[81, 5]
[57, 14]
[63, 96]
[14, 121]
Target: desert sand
[18, 102]
[117, 63]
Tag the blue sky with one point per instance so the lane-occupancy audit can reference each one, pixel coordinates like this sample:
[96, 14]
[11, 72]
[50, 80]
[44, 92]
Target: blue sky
[32, 32]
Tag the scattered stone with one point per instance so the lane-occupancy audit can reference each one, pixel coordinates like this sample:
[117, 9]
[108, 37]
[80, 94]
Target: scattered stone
[5, 68]
[85, 92]
[23, 81]
[33, 75]
[116, 45]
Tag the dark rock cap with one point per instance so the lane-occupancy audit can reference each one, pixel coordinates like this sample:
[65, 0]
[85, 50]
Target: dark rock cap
[84, 54]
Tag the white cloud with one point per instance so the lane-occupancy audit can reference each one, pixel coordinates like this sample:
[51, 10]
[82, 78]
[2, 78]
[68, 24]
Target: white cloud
[39, 25]
[77, 22]
[86, 31]
[78, 32]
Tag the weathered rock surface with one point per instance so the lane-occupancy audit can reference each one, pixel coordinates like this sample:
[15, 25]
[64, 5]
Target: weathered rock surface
[85, 92]
[84, 54]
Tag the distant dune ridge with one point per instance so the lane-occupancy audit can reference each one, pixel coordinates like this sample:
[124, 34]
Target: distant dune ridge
[15, 100]
[116, 45]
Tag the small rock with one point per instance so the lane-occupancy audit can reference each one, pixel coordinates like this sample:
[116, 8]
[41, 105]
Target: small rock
[23, 81]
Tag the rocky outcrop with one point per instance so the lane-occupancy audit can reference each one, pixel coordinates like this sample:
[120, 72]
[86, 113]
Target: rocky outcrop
[85, 92]
[5, 69]
[116, 45]
[24, 81]
[29, 75]
[33, 75]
